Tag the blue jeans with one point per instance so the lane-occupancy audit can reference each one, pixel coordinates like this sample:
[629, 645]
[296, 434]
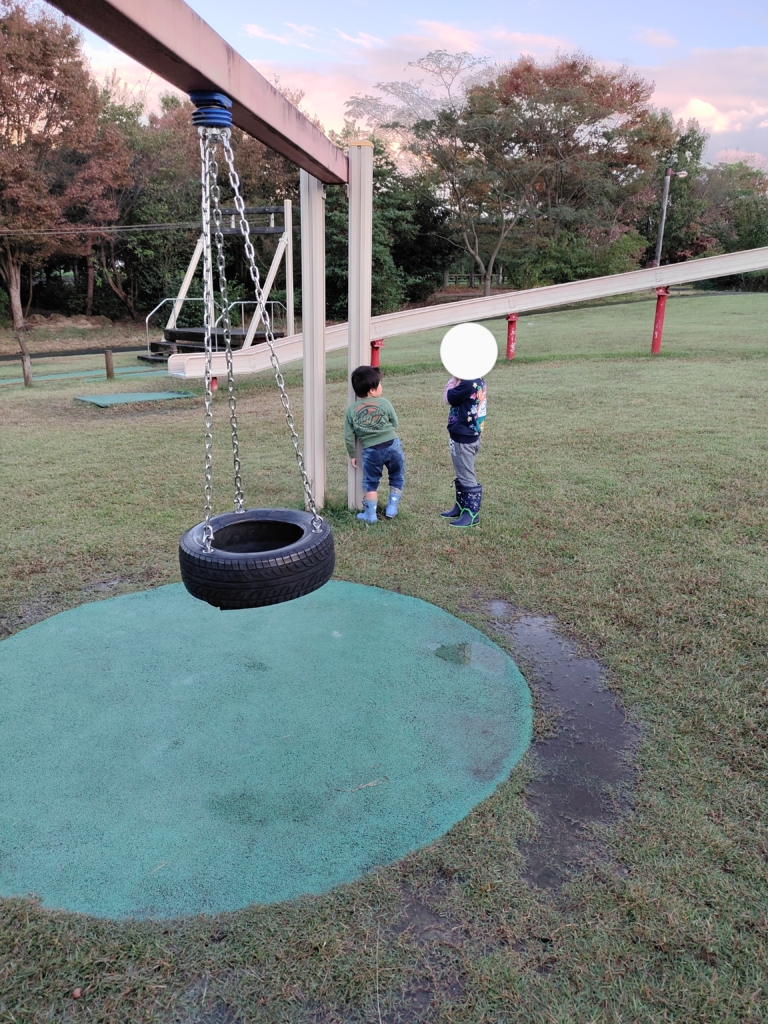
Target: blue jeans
[374, 461]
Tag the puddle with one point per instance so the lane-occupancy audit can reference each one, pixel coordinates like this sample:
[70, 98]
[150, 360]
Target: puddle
[584, 770]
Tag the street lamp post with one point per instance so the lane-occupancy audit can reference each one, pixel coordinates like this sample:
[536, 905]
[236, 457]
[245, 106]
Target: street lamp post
[670, 173]
[662, 293]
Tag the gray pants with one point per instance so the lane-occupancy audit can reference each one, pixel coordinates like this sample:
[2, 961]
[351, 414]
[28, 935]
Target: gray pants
[463, 458]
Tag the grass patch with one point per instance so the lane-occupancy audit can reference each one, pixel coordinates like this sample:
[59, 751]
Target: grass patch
[624, 495]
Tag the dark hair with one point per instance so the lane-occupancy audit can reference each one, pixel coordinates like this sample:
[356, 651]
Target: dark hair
[365, 379]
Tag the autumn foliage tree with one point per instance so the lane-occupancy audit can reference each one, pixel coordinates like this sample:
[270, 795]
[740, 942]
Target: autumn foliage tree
[48, 107]
[541, 154]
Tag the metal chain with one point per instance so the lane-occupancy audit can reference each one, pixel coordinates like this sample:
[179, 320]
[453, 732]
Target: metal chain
[215, 193]
[208, 316]
[234, 179]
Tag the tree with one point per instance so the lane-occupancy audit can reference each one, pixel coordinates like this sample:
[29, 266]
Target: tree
[735, 200]
[685, 233]
[534, 150]
[411, 239]
[96, 195]
[48, 106]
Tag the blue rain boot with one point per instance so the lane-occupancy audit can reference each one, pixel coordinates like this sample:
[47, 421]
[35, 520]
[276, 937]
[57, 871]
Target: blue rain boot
[455, 511]
[470, 500]
[394, 501]
[368, 515]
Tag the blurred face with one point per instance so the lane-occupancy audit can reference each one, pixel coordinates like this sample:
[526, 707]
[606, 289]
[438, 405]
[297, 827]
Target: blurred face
[375, 392]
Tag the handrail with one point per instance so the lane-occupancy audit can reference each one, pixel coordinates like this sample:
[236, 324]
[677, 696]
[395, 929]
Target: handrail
[197, 298]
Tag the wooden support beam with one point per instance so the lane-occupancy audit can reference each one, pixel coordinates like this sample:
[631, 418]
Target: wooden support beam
[313, 320]
[167, 37]
[359, 281]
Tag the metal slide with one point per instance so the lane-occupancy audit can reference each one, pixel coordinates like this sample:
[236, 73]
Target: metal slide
[488, 308]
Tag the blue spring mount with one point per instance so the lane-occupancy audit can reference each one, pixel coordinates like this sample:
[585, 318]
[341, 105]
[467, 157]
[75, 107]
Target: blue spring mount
[214, 109]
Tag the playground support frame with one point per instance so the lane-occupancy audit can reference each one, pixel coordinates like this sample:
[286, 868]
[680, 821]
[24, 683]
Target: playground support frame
[313, 321]
[360, 190]
[169, 38]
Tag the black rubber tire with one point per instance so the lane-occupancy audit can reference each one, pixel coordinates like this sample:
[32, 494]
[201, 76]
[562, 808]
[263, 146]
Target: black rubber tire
[242, 578]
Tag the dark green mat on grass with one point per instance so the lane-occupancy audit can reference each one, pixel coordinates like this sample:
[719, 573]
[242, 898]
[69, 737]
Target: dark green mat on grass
[133, 396]
[159, 757]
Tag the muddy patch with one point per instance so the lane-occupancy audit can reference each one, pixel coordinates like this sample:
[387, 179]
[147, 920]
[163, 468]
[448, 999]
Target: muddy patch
[583, 765]
[424, 925]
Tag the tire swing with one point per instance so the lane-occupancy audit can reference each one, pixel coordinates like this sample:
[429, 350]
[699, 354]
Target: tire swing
[250, 557]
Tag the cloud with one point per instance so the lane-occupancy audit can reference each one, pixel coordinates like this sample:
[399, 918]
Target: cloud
[257, 32]
[359, 61]
[656, 37]
[733, 156]
[138, 82]
[725, 90]
[361, 39]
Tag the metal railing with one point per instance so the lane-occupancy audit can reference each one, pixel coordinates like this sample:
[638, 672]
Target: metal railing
[277, 312]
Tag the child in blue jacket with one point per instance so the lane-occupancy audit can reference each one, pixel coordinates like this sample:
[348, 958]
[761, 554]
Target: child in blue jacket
[468, 400]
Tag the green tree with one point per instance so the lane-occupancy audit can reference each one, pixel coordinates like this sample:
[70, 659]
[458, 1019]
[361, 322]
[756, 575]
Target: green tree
[685, 232]
[532, 153]
[48, 111]
[411, 238]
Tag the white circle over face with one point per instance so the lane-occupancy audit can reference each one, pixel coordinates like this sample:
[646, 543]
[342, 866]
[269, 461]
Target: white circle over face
[469, 351]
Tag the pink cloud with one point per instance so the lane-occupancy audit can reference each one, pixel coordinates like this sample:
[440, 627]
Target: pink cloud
[725, 90]
[656, 37]
[358, 68]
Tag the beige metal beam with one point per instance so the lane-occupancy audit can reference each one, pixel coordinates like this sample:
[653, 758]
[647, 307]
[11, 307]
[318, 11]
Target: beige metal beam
[290, 320]
[185, 284]
[167, 37]
[266, 288]
[409, 321]
[313, 320]
[360, 191]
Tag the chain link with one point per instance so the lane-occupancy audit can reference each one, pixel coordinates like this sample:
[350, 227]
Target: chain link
[208, 315]
[234, 180]
[215, 193]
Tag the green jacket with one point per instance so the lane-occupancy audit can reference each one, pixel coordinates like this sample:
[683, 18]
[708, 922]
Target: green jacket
[373, 420]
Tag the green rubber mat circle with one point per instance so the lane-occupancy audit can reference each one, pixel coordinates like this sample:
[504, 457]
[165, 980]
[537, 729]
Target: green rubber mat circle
[160, 758]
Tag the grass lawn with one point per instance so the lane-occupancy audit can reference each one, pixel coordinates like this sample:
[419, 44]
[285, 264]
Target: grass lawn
[624, 495]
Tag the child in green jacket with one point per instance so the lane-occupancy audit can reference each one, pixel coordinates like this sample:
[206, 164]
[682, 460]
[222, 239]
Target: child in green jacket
[372, 420]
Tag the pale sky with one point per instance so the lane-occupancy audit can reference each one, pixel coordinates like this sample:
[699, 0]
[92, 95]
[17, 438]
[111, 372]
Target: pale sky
[709, 60]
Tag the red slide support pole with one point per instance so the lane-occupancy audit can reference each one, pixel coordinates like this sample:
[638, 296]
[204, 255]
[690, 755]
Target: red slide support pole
[658, 323]
[375, 346]
[511, 335]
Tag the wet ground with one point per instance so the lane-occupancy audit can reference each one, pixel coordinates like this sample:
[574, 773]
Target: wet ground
[583, 764]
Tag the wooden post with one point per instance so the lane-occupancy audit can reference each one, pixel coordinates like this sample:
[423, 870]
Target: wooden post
[360, 257]
[110, 363]
[290, 320]
[26, 362]
[313, 325]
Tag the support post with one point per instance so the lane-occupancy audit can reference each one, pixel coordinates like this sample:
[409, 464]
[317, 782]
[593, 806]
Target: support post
[658, 323]
[313, 322]
[360, 257]
[185, 284]
[110, 363]
[511, 335]
[376, 345]
[290, 320]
